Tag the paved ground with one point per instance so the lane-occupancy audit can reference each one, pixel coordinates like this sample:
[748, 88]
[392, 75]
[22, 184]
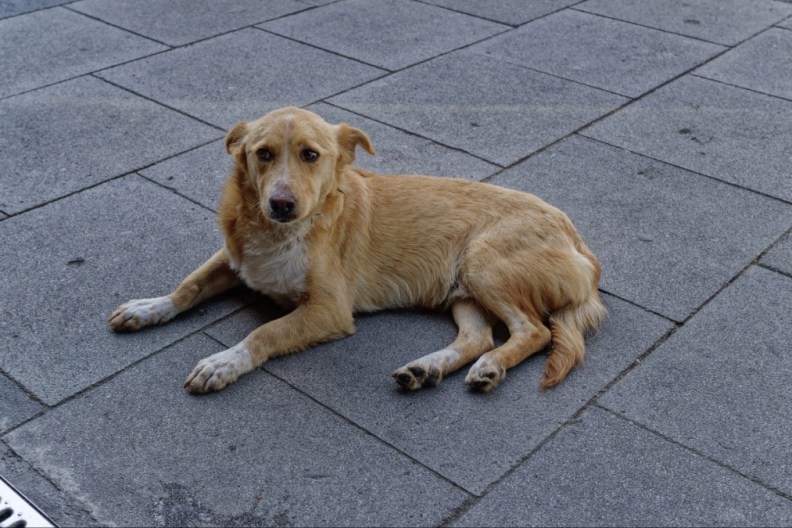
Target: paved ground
[663, 128]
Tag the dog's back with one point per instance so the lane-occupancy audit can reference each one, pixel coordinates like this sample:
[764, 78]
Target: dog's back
[430, 241]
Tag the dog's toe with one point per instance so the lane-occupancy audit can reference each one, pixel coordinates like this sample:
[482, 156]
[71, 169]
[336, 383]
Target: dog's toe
[414, 376]
[485, 376]
[215, 372]
[140, 313]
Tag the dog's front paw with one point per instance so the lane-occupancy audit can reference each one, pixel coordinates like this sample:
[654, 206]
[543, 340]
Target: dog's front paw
[218, 370]
[140, 313]
[485, 375]
[415, 375]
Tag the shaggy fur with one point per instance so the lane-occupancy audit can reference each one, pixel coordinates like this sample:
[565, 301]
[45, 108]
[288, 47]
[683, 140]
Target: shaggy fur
[326, 240]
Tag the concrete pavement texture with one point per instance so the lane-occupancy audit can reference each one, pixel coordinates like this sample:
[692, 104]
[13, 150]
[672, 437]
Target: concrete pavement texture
[662, 128]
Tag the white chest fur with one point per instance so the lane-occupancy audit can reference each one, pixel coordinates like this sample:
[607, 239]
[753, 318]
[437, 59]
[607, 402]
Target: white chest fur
[275, 268]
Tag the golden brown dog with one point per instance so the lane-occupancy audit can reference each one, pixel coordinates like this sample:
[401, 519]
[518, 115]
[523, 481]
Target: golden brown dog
[328, 240]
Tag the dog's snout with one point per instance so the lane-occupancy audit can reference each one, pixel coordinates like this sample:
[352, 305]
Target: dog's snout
[282, 206]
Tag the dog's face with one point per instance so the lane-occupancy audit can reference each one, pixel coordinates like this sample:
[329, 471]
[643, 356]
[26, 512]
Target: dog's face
[292, 159]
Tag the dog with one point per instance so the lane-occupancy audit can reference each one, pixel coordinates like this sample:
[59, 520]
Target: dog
[325, 240]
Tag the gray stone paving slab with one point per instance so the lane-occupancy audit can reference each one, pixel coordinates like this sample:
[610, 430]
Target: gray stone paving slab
[667, 239]
[15, 405]
[720, 384]
[59, 139]
[56, 44]
[179, 22]
[17, 7]
[722, 131]
[721, 21]
[603, 471]
[402, 153]
[780, 257]
[788, 22]
[259, 453]
[494, 109]
[58, 506]
[198, 174]
[600, 52]
[67, 265]
[241, 76]
[763, 63]
[391, 34]
[470, 438]
[512, 12]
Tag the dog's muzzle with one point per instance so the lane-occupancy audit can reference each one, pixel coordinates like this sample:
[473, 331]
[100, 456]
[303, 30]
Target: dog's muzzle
[282, 207]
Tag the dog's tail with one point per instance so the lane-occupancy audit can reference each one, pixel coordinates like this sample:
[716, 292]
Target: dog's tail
[568, 328]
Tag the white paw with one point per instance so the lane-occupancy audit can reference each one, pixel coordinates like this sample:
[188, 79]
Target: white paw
[218, 370]
[140, 313]
[485, 375]
[426, 371]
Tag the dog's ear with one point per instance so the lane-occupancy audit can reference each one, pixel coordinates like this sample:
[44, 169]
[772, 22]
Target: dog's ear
[235, 143]
[348, 138]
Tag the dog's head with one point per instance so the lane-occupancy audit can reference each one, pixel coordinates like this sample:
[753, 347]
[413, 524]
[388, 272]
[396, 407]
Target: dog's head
[292, 158]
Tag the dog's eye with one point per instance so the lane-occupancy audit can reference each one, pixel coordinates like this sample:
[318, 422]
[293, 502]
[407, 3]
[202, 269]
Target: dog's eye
[309, 155]
[264, 154]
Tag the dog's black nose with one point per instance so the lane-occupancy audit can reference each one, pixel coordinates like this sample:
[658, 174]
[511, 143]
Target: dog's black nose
[281, 206]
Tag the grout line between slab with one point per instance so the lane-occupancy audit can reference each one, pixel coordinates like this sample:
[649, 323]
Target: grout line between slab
[694, 451]
[177, 193]
[514, 26]
[731, 184]
[109, 377]
[354, 424]
[480, 17]
[72, 193]
[29, 393]
[774, 269]
[73, 501]
[314, 46]
[737, 86]
[604, 116]
[147, 98]
[46, 8]
[460, 48]
[408, 132]
[307, 7]
[644, 308]
[112, 178]
[712, 42]
[459, 512]
[97, 19]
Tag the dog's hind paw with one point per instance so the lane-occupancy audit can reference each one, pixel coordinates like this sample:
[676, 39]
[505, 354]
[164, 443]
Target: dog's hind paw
[484, 375]
[140, 313]
[218, 370]
[415, 375]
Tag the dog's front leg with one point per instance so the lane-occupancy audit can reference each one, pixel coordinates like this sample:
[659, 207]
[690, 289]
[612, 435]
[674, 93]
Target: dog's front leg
[212, 278]
[307, 325]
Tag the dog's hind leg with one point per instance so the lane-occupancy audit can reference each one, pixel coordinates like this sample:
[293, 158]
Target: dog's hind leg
[212, 278]
[528, 336]
[474, 338]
